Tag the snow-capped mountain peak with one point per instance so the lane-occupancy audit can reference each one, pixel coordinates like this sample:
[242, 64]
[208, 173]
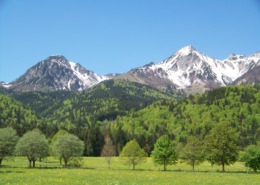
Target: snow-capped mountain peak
[193, 71]
[186, 50]
[57, 73]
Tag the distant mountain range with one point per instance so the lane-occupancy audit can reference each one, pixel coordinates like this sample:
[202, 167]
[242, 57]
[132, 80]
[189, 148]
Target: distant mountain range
[194, 72]
[188, 70]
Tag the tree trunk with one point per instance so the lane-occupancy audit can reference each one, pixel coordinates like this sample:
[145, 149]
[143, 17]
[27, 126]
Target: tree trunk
[164, 165]
[133, 166]
[33, 163]
[193, 166]
[1, 159]
[65, 163]
[108, 162]
[223, 166]
[30, 163]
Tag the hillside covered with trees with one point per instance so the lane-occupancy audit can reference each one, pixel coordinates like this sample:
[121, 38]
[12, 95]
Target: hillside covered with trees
[127, 111]
[238, 106]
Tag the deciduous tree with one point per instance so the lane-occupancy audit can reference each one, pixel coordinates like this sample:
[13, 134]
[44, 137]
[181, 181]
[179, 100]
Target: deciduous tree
[133, 154]
[252, 157]
[34, 145]
[108, 150]
[164, 153]
[8, 139]
[192, 152]
[221, 145]
[68, 147]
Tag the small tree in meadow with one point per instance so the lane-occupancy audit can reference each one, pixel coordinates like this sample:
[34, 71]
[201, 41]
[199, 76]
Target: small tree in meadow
[192, 152]
[54, 139]
[68, 147]
[252, 157]
[133, 154]
[34, 145]
[221, 145]
[8, 139]
[164, 153]
[108, 150]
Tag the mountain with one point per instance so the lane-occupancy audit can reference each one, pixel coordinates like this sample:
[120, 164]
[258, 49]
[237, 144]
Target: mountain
[251, 76]
[192, 71]
[188, 71]
[56, 73]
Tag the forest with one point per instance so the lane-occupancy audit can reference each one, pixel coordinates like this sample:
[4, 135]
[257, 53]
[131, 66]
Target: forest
[130, 111]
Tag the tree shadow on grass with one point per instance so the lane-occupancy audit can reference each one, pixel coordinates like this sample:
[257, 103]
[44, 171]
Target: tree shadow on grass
[10, 171]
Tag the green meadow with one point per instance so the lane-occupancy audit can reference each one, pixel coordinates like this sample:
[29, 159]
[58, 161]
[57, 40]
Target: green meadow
[94, 171]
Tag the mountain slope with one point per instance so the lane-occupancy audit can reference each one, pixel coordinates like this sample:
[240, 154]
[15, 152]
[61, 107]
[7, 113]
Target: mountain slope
[56, 73]
[192, 71]
[237, 106]
[106, 101]
[14, 114]
[188, 70]
[251, 76]
[43, 103]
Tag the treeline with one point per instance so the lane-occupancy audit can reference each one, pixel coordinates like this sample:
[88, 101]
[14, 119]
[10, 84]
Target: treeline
[85, 114]
[219, 148]
[239, 106]
[127, 111]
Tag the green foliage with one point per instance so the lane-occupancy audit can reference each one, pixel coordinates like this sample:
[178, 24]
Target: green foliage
[14, 114]
[8, 139]
[164, 153]
[43, 103]
[67, 147]
[221, 145]
[34, 145]
[132, 154]
[55, 137]
[195, 116]
[105, 102]
[192, 152]
[252, 157]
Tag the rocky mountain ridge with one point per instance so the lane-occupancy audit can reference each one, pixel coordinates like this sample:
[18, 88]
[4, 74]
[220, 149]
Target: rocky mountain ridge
[56, 73]
[192, 71]
[187, 70]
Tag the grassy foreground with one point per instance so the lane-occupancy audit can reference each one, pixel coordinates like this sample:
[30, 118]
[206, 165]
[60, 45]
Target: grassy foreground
[94, 171]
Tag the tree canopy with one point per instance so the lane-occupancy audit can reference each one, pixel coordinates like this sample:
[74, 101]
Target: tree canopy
[164, 153]
[192, 152]
[109, 149]
[8, 139]
[133, 154]
[34, 145]
[252, 157]
[221, 145]
[68, 147]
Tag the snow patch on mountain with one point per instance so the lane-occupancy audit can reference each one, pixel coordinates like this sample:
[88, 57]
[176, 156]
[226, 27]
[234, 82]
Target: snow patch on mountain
[188, 67]
[57, 73]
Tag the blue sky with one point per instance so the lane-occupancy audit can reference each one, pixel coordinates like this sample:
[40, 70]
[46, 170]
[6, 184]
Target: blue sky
[117, 35]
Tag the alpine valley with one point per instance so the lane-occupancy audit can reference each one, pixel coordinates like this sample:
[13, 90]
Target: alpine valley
[185, 95]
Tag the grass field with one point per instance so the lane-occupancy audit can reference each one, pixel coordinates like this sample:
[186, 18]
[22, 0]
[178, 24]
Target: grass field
[94, 171]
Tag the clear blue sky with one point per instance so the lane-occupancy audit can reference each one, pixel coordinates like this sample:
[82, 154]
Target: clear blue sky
[114, 36]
